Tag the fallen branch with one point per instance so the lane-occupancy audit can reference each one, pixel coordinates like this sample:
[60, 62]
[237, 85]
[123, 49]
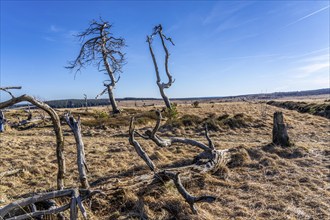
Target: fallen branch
[11, 172]
[207, 161]
[5, 89]
[81, 160]
[77, 197]
[163, 175]
[57, 128]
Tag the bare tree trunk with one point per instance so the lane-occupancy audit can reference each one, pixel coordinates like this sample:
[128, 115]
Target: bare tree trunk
[86, 104]
[164, 96]
[81, 161]
[158, 30]
[2, 121]
[113, 102]
[280, 134]
[57, 128]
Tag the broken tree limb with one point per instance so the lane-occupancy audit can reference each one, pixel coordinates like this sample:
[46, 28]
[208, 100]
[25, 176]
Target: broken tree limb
[57, 128]
[5, 89]
[207, 161]
[138, 148]
[31, 200]
[78, 196]
[162, 142]
[11, 172]
[75, 126]
[191, 200]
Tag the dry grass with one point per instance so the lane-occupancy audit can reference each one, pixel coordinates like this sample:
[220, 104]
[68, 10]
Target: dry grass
[267, 182]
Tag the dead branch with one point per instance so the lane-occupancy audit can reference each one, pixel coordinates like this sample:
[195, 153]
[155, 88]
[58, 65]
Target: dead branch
[81, 160]
[10, 172]
[57, 128]
[76, 199]
[5, 89]
[191, 200]
[103, 50]
[162, 142]
[138, 148]
[158, 31]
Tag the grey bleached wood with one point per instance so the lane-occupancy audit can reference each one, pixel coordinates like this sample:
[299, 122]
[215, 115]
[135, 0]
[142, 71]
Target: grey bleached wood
[138, 147]
[77, 198]
[57, 128]
[75, 126]
[5, 89]
[158, 30]
[191, 200]
[33, 199]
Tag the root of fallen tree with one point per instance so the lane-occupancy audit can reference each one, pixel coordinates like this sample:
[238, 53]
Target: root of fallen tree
[208, 161]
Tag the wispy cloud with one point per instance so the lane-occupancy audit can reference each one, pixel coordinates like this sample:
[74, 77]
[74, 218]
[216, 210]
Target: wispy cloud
[50, 39]
[249, 57]
[224, 10]
[311, 65]
[308, 15]
[54, 29]
[233, 23]
[56, 33]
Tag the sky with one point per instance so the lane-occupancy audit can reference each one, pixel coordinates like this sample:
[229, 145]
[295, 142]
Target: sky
[222, 48]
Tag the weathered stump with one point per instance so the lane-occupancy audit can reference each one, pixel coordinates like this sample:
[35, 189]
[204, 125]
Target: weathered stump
[280, 134]
[81, 161]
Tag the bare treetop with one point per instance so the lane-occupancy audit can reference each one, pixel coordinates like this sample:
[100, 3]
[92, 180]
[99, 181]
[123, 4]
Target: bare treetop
[158, 30]
[100, 45]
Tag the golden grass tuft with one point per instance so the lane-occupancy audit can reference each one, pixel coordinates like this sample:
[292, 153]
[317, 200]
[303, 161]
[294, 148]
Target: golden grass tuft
[264, 182]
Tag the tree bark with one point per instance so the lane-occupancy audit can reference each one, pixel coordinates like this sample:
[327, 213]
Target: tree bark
[164, 96]
[81, 161]
[57, 128]
[115, 109]
[280, 134]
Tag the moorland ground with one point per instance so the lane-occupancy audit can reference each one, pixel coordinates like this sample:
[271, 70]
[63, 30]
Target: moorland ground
[270, 183]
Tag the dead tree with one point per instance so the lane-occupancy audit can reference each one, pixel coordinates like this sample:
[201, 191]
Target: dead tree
[104, 50]
[162, 175]
[158, 30]
[81, 161]
[18, 209]
[215, 158]
[86, 104]
[57, 128]
[209, 160]
[280, 134]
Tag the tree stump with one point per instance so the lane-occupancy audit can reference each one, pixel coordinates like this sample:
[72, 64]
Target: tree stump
[280, 134]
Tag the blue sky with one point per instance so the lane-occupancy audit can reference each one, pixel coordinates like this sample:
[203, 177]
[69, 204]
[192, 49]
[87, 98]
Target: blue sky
[221, 47]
